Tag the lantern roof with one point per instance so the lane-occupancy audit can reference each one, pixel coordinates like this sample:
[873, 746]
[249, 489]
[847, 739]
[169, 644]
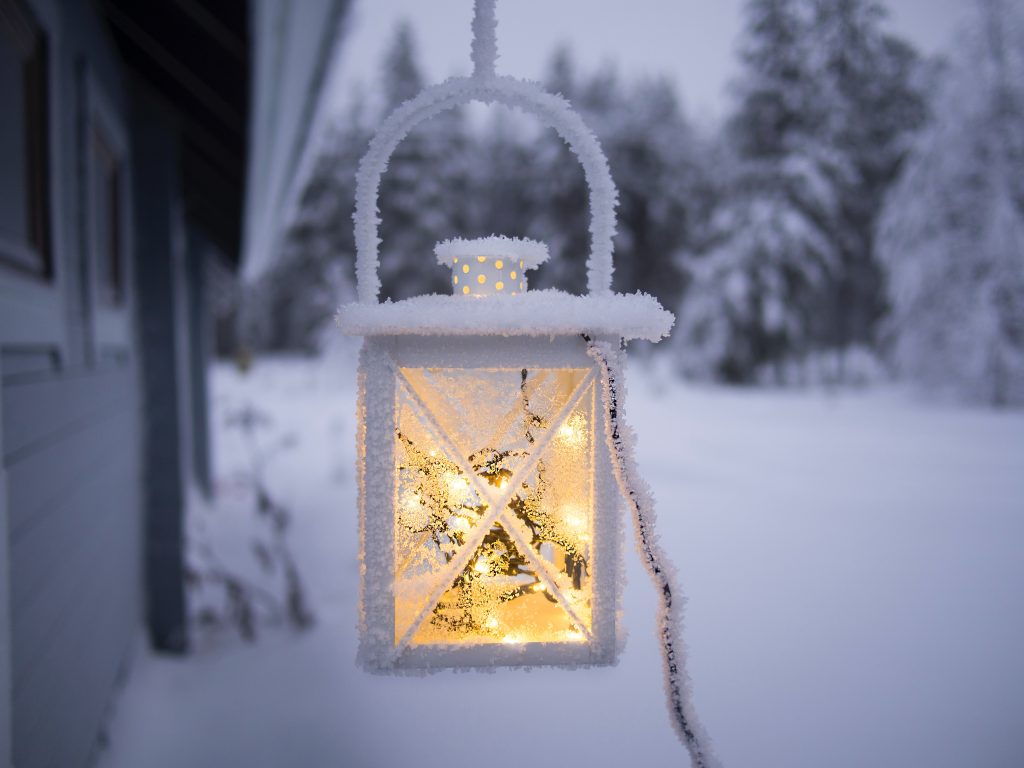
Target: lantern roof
[531, 253]
[536, 313]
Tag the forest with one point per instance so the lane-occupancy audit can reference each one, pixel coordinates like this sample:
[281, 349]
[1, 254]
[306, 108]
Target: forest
[858, 216]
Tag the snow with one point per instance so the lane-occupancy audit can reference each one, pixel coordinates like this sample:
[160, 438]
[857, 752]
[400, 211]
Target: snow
[537, 313]
[530, 252]
[852, 566]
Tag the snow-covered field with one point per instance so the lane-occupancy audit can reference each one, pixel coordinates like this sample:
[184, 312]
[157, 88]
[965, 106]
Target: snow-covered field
[854, 565]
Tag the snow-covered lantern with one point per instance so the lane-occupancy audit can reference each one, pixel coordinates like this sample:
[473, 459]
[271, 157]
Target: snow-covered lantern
[489, 501]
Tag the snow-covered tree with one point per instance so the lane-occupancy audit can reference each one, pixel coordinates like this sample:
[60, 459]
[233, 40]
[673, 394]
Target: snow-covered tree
[753, 291]
[952, 234]
[865, 106]
[825, 103]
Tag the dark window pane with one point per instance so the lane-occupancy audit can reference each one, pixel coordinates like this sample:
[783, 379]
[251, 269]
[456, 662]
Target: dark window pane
[13, 202]
[24, 194]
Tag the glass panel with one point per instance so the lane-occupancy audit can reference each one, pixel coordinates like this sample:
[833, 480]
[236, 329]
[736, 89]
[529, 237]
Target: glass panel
[495, 420]
[498, 597]
[435, 509]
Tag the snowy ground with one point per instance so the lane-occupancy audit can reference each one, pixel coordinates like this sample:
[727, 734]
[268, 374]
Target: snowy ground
[854, 566]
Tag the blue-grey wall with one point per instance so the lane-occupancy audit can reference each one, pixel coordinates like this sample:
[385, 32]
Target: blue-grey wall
[91, 499]
[71, 459]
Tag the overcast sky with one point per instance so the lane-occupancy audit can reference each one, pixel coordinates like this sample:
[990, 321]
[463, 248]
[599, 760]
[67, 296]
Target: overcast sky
[694, 41]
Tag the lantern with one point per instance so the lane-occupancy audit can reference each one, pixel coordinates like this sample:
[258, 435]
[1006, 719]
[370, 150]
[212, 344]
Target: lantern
[489, 507]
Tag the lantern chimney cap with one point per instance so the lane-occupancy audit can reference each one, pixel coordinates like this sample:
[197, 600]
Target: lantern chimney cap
[530, 252]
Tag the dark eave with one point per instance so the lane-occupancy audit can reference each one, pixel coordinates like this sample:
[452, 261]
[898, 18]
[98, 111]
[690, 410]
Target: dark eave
[197, 57]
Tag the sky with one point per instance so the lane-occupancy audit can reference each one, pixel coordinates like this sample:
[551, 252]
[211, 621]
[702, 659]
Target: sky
[693, 41]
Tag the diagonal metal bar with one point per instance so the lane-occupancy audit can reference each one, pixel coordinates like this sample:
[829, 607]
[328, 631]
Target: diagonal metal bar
[514, 528]
[461, 558]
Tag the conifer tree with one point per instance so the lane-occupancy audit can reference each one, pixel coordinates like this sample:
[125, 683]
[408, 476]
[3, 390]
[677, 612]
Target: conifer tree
[952, 235]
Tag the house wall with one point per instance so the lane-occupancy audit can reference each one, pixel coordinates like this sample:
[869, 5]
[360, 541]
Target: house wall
[70, 431]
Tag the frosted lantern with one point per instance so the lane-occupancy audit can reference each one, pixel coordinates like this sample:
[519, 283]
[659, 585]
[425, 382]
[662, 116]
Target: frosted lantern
[490, 532]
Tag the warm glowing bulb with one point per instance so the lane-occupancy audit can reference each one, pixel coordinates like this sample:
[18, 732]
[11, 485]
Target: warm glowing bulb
[538, 587]
[571, 433]
[457, 485]
[491, 623]
[576, 521]
[574, 636]
[481, 566]
[511, 640]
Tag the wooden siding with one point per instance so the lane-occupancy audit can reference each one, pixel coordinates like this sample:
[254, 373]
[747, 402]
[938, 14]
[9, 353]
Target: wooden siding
[71, 446]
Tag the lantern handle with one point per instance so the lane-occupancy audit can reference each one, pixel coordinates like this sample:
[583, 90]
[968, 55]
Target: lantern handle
[484, 86]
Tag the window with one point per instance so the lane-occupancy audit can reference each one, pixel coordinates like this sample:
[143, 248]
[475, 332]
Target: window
[24, 191]
[107, 221]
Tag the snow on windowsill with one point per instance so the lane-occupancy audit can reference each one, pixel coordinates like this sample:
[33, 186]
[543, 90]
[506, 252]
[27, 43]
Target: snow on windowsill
[537, 313]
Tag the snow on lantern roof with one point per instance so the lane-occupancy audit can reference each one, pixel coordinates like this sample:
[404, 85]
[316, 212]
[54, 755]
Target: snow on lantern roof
[535, 313]
[531, 253]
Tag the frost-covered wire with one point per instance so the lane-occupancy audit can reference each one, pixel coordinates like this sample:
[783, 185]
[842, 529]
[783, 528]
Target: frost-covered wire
[484, 50]
[634, 489]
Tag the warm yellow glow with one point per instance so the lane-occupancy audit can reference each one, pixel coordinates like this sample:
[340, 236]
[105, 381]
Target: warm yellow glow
[465, 289]
[457, 485]
[575, 521]
[500, 286]
[499, 264]
[464, 573]
[455, 280]
[465, 268]
[520, 263]
[481, 259]
[455, 260]
[481, 279]
[522, 286]
[512, 275]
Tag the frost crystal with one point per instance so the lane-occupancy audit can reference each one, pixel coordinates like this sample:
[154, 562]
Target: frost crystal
[530, 252]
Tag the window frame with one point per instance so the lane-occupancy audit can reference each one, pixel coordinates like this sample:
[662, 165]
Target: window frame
[33, 309]
[111, 315]
[30, 37]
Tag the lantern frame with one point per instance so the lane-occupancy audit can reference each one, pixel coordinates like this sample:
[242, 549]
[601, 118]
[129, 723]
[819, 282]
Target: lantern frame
[538, 329]
[381, 363]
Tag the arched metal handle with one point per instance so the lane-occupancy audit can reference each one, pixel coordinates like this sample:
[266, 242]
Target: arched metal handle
[554, 111]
